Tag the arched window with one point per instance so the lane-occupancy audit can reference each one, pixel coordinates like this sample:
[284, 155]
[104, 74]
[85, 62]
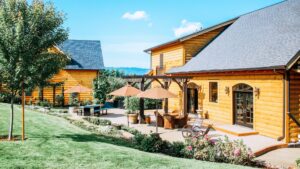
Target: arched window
[242, 87]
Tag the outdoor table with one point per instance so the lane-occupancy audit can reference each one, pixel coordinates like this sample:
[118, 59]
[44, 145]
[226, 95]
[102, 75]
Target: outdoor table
[87, 109]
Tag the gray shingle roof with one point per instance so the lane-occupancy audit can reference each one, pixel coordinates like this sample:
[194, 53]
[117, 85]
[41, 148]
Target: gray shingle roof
[85, 54]
[266, 38]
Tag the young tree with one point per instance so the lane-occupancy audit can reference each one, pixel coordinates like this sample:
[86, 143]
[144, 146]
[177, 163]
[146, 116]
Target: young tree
[27, 32]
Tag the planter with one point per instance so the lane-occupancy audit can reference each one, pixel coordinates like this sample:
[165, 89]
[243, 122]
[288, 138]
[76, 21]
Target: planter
[132, 118]
[148, 119]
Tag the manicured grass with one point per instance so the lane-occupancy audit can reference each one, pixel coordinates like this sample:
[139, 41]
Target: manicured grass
[55, 143]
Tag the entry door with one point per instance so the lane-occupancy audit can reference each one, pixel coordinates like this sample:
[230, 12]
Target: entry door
[192, 100]
[244, 108]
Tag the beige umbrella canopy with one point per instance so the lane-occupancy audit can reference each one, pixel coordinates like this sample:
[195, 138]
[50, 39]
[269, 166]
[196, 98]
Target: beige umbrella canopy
[126, 91]
[157, 93]
[78, 89]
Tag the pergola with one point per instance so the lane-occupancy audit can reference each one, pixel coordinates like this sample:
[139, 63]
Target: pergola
[145, 81]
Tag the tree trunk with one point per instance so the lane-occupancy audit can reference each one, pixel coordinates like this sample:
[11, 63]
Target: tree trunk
[11, 125]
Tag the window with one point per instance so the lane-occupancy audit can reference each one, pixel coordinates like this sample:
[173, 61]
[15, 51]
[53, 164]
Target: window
[161, 60]
[213, 92]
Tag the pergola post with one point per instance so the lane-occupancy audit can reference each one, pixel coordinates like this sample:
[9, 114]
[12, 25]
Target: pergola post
[185, 106]
[142, 112]
[166, 100]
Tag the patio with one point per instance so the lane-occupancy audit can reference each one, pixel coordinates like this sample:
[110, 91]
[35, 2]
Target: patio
[257, 143]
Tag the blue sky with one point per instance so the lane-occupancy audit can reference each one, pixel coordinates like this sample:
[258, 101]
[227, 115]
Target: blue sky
[127, 27]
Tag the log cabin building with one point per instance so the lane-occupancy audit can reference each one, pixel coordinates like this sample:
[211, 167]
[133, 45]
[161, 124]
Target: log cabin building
[85, 65]
[245, 71]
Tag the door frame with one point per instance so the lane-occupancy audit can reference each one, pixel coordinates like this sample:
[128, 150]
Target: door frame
[234, 114]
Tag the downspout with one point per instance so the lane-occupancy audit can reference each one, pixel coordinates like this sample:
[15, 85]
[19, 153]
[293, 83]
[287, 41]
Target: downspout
[286, 102]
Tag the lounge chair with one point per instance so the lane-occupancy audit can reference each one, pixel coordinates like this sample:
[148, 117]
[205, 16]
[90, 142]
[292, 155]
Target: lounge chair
[205, 132]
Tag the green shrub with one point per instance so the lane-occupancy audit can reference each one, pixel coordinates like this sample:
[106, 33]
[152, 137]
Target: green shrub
[59, 99]
[175, 149]
[298, 163]
[97, 121]
[130, 130]
[44, 103]
[6, 97]
[152, 143]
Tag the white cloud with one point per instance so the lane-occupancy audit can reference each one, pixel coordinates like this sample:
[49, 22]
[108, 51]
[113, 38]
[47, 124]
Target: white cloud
[187, 27]
[137, 15]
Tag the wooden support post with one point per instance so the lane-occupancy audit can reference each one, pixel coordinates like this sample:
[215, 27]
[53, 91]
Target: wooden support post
[54, 93]
[23, 112]
[63, 94]
[142, 101]
[166, 100]
[185, 96]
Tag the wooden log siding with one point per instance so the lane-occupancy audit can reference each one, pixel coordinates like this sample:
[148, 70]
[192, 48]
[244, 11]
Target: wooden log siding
[172, 57]
[195, 44]
[268, 106]
[293, 129]
[70, 78]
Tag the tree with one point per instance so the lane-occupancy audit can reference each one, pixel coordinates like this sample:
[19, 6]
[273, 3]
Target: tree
[27, 33]
[106, 82]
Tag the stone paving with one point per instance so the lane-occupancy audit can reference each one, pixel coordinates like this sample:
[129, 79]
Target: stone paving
[255, 142]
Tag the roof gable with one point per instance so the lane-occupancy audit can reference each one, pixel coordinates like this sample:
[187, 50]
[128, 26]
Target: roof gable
[266, 38]
[85, 54]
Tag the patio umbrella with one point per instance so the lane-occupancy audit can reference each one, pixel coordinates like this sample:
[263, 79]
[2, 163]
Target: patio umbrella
[126, 91]
[78, 89]
[157, 93]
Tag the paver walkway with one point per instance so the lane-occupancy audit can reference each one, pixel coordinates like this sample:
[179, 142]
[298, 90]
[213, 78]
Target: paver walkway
[282, 158]
[255, 142]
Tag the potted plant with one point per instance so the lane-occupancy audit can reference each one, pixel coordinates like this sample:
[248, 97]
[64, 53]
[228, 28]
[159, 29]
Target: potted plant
[132, 106]
[132, 117]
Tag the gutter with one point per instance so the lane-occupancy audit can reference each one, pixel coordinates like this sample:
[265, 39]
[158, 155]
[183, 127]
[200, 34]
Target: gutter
[286, 102]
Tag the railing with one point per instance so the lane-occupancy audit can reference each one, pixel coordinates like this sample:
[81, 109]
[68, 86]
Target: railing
[294, 119]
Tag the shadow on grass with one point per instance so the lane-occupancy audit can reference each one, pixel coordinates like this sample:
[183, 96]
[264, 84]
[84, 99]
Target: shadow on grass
[98, 138]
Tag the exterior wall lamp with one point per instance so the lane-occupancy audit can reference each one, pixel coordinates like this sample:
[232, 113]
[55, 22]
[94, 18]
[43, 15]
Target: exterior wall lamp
[227, 90]
[256, 91]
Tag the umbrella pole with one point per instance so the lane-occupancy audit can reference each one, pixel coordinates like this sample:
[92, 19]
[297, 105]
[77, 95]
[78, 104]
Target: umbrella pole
[156, 114]
[127, 114]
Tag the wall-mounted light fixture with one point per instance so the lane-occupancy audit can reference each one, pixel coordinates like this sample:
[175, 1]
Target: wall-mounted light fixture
[256, 91]
[227, 90]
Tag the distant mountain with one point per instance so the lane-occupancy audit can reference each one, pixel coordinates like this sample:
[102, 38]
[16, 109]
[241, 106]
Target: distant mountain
[130, 70]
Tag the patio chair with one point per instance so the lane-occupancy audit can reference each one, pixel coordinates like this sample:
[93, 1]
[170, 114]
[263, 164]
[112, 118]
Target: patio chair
[181, 121]
[168, 121]
[160, 119]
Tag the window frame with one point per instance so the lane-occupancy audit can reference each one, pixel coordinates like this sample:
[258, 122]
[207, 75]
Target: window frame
[213, 92]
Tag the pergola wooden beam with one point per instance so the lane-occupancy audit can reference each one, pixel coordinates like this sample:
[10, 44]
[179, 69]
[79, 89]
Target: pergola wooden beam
[181, 81]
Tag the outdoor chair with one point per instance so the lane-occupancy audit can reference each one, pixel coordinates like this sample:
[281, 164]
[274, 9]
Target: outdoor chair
[160, 119]
[203, 133]
[97, 111]
[168, 121]
[181, 121]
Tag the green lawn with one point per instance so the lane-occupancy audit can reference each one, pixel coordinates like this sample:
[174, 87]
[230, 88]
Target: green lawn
[55, 143]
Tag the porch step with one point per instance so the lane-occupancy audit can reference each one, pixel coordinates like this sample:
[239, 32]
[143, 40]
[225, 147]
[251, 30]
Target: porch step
[233, 129]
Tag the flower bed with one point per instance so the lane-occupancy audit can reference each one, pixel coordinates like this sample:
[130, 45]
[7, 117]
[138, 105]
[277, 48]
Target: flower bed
[206, 149]
[227, 151]
[298, 163]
